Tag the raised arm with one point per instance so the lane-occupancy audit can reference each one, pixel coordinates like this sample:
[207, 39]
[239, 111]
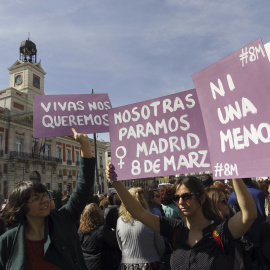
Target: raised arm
[132, 205]
[86, 149]
[240, 223]
[85, 182]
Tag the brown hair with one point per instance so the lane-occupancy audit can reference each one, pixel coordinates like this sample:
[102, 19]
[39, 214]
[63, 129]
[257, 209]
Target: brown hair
[16, 207]
[215, 194]
[150, 196]
[104, 203]
[91, 218]
[195, 185]
[167, 195]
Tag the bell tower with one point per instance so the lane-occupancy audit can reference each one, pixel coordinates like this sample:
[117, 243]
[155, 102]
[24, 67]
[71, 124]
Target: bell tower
[26, 75]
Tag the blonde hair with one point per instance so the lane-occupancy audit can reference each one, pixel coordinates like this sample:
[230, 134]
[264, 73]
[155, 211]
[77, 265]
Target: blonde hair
[137, 193]
[91, 218]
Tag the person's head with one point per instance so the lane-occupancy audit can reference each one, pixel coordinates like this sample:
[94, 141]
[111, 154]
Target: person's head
[101, 197]
[91, 218]
[167, 195]
[219, 201]
[27, 199]
[153, 197]
[207, 180]
[191, 198]
[104, 204]
[94, 199]
[264, 187]
[248, 181]
[57, 197]
[137, 193]
[111, 198]
[116, 200]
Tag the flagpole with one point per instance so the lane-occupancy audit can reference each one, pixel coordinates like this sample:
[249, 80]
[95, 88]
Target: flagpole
[95, 146]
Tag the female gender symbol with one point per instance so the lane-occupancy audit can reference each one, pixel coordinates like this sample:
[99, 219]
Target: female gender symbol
[121, 163]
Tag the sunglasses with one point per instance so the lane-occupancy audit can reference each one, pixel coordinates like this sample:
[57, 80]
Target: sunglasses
[157, 196]
[186, 196]
[224, 201]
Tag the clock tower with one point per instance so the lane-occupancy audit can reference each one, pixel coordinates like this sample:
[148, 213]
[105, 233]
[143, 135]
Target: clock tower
[26, 75]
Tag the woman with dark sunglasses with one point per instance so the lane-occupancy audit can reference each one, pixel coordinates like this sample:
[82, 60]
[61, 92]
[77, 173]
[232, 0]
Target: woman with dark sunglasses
[219, 201]
[200, 240]
[154, 202]
[45, 238]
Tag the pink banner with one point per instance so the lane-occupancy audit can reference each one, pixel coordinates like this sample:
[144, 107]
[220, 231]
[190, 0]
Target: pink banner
[158, 137]
[234, 97]
[55, 115]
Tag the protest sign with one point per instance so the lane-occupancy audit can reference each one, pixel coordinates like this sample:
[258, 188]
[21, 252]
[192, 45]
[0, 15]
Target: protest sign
[234, 97]
[158, 137]
[55, 115]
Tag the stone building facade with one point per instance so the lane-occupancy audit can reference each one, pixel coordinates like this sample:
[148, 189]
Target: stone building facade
[53, 161]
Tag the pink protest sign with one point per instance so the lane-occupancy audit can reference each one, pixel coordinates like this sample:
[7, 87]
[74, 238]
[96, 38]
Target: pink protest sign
[158, 137]
[234, 97]
[55, 115]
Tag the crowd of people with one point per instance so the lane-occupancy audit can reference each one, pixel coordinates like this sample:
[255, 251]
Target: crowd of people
[195, 224]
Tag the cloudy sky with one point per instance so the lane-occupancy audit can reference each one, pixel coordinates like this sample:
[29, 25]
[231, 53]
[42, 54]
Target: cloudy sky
[132, 50]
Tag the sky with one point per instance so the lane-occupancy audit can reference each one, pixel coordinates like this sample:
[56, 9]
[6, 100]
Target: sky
[132, 50]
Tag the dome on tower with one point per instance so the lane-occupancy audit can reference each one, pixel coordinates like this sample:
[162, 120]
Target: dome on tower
[28, 51]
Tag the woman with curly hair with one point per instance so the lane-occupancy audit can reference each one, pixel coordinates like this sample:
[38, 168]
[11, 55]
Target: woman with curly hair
[97, 240]
[142, 248]
[169, 206]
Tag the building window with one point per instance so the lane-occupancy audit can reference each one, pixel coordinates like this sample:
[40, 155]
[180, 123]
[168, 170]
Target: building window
[69, 188]
[48, 186]
[77, 157]
[19, 145]
[60, 174]
[1, 142]
[59, 152]
[100, 162]
[48, 150]
[69, 161]
[69, 174]
[60, 187]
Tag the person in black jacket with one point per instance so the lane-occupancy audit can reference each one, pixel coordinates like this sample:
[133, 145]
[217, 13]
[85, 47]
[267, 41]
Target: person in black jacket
[97, 240]
[45, 238]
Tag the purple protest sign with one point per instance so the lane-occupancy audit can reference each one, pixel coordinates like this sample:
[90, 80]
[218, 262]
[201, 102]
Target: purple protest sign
[158, 137]
[55, 115]
[234, 97]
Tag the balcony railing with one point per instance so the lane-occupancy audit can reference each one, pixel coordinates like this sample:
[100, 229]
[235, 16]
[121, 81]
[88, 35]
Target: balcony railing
[100, 166]
[69, 162]
[23, 155]
[60, 175]
[77, 163]
[1, 153]
[69, 176]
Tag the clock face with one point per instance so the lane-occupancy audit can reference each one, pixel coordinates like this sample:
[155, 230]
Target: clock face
[36, 82]
[18, 79]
